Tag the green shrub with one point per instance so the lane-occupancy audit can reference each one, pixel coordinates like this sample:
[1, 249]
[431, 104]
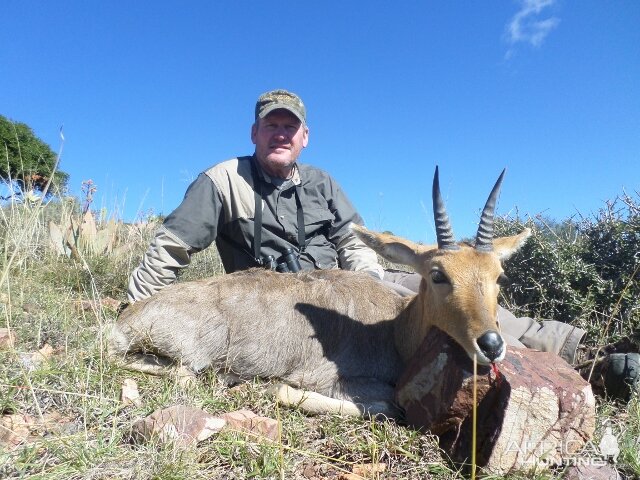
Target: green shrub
[580, 271]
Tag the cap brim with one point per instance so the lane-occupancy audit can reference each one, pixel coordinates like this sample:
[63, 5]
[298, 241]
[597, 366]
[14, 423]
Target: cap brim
[279, 106]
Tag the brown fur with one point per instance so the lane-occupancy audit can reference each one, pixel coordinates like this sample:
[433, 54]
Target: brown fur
[337, 339]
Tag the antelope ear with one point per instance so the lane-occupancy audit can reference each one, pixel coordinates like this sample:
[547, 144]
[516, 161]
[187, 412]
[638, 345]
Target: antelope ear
[507, 246]
[392, 248]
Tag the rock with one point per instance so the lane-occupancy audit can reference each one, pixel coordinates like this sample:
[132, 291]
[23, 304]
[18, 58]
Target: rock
[364, 470]
[20, 428]
[591, 472]
[248, 422]
[33, 360]
[188, 425]
[7, 339]
[15, 429]
[369, 470]
[45, 352]
[55, 423]
[536, 412]
[130, 394]
[309, 471]
[179, 424]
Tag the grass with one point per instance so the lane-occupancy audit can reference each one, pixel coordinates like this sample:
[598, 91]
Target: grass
[80, 430]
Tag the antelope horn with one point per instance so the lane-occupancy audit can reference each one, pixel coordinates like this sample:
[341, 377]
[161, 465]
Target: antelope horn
[443, 227]
[484, 238]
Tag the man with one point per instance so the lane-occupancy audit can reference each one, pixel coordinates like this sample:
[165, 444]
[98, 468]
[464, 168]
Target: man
[257, 207]
[302, 208]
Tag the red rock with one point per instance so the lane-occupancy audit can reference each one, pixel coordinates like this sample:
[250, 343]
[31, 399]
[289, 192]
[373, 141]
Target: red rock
[248, 422]
[179, 424]
[539, 412]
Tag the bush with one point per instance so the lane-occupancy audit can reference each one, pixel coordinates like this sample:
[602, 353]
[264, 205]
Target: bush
[580, 271]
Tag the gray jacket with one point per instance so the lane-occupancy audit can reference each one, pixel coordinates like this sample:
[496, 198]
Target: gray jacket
[220, 206]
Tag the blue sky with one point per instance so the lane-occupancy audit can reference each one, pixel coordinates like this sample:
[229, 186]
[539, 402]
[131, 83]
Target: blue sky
[152, 93]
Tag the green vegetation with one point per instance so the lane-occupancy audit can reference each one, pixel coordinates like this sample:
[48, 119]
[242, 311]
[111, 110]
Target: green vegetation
[583, 272]
[26, 162]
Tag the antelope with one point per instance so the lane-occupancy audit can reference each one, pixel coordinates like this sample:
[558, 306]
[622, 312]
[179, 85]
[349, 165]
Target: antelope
[337, 340]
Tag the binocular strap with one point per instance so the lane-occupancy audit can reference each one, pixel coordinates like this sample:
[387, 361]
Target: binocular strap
[257, 221]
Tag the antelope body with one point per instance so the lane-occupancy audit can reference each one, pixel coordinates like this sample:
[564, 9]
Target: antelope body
[338, 340]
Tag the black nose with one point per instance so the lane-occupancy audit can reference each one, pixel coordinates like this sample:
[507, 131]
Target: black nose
[491, 344]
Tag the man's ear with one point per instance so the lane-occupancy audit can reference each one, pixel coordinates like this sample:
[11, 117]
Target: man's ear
[305, 136]
[254, 132]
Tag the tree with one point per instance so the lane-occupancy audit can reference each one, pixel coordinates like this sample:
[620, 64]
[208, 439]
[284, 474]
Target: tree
[26, 162]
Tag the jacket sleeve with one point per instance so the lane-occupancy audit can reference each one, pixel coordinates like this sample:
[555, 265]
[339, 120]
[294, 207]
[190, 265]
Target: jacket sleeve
[188, 229]
[166, 255]
[353, 254]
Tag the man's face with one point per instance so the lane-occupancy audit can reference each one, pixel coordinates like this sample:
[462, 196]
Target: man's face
[279, 138]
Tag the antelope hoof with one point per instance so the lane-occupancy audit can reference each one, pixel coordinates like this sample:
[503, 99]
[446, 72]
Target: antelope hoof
[491, 347]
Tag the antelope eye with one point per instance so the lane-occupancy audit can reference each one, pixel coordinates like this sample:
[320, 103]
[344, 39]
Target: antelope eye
[438, 277]
[503, 280]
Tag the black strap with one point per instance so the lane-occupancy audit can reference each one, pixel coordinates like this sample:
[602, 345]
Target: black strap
[301, 233]
[238, 246]
[257, 221]
[257, 227]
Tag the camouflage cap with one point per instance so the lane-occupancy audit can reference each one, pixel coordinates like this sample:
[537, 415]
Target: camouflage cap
[275, 99]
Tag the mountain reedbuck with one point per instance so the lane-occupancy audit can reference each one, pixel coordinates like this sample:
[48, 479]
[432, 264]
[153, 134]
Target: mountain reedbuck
[338, 340]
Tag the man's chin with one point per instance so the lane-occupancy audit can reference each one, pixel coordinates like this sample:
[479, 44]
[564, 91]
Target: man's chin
[278, 166]
[280, 161]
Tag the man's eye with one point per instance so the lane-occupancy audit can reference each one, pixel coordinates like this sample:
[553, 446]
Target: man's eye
[438, 277]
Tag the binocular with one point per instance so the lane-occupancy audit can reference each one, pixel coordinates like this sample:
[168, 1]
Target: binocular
[287, 262]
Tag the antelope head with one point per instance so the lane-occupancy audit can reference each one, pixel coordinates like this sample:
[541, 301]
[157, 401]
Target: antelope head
[460, 282]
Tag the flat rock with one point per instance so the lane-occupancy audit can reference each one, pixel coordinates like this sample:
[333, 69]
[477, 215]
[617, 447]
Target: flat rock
[248, 422]
[19, 429]
[536, 412]
[129, 394]
[185, 426]
[179, 424]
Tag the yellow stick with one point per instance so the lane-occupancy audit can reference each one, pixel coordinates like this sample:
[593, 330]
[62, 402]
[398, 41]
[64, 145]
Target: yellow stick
[474, 418]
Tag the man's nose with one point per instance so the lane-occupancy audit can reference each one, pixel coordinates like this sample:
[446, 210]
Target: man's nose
[280, 132]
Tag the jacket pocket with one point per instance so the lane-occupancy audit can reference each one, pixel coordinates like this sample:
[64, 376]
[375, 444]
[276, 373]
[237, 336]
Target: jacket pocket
[317, 219]
[317, 223]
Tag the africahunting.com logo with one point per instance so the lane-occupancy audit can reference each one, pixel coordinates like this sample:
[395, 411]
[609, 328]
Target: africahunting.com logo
[569, 452]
